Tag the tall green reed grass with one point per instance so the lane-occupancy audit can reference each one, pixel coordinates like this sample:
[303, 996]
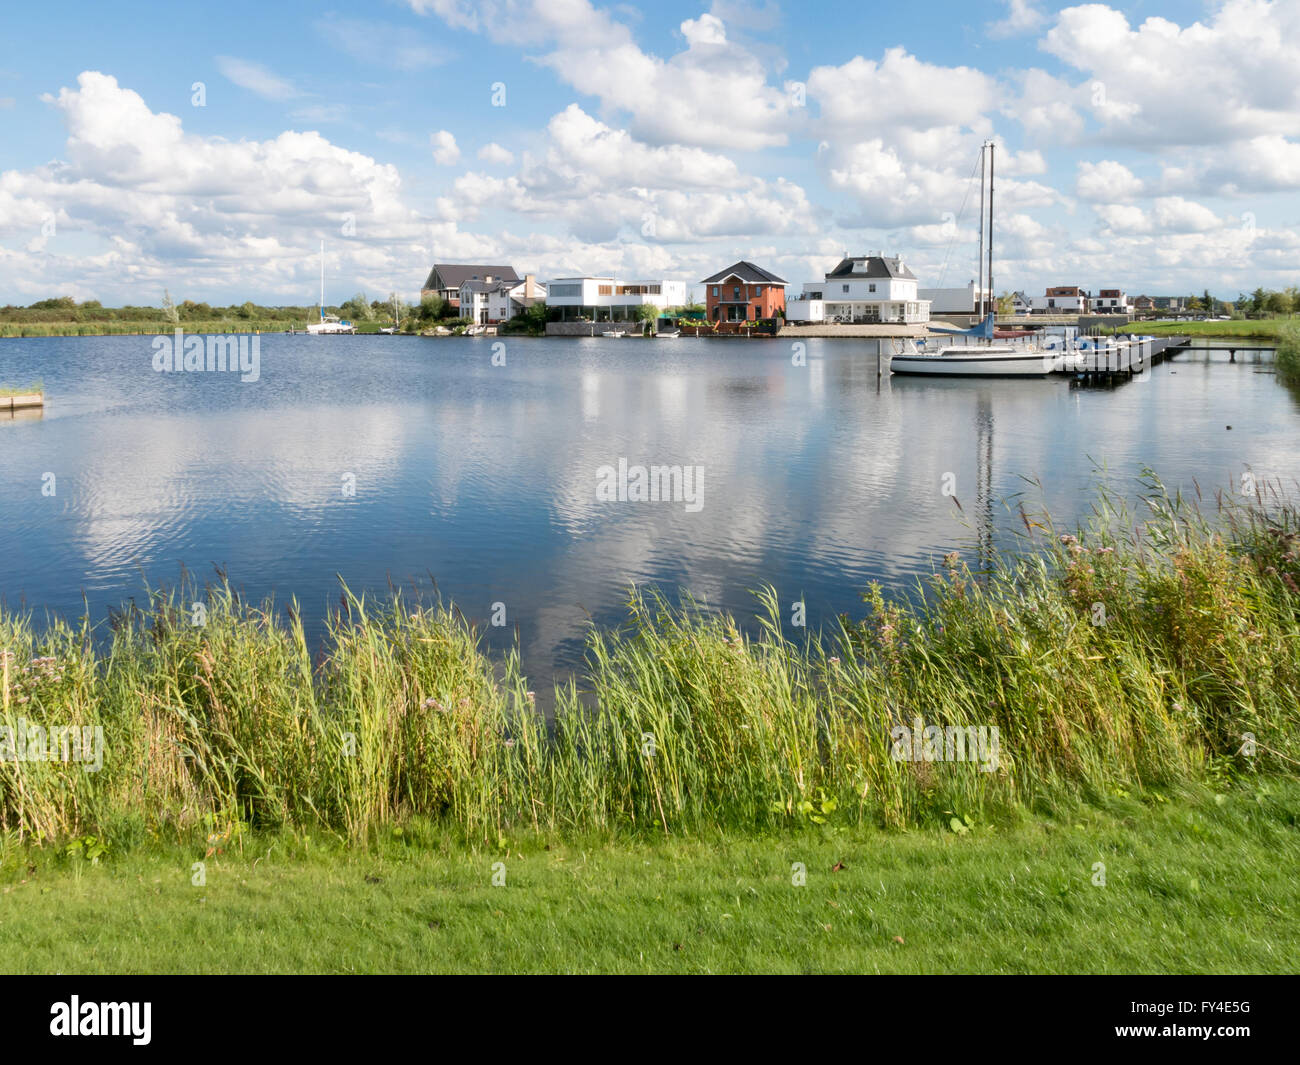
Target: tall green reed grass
[1130, 653]
[1288, 352]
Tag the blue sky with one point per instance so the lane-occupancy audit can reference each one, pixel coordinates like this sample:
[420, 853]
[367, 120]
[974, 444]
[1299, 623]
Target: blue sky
[1147, 145]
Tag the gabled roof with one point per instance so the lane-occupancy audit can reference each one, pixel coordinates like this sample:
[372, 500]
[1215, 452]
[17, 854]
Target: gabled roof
[747, 272]
[454, 275]
[872, 266]
[490, 286]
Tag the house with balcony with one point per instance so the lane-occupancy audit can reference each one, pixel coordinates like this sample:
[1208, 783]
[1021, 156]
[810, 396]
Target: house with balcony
[610, 298]
[743, 292]
[446, 279]
[1063, 299]
[1111, 301]
[862, 289]
[493, 302]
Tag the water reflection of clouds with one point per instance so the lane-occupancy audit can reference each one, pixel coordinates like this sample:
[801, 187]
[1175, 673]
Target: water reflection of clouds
[818, 477]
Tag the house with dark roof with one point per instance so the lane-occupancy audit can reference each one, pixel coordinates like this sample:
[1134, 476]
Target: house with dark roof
[493, 302]
[445, 279]
[743, 292]
[863, 289]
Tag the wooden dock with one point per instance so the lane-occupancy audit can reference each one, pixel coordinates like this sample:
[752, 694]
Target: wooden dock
[22, 401]
[1113, 360]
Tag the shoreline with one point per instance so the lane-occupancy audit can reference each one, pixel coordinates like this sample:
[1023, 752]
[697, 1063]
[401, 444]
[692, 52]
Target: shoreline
[1247, 330]
[1081, 664]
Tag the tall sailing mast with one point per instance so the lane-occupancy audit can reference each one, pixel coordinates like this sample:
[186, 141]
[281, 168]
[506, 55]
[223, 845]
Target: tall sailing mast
[993, 306]
[979, 255]
[322, 280]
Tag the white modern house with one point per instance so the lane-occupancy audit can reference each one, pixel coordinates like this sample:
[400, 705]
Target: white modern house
[1021, 304]
[1112, 301]
[862, 289]
[956, 300]
[1063, 299]
[611, 298]
[495, 300]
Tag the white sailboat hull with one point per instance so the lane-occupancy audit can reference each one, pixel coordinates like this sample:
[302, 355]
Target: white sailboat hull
[975, 363]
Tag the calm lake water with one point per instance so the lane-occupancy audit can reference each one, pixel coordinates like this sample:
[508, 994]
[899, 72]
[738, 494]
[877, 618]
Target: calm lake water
[817, 478]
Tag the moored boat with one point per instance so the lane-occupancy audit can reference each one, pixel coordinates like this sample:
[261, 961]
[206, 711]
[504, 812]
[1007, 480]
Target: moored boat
[978, 361]
[980, 356]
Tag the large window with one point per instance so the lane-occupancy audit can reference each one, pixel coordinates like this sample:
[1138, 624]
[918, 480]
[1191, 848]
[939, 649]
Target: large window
[570, 291]
[606, 290]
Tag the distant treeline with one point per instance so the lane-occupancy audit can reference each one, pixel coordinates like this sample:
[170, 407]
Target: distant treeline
[1269, 301]
[66, 309]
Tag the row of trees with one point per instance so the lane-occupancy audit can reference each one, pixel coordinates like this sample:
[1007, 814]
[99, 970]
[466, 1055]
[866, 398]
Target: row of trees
[1265, 301]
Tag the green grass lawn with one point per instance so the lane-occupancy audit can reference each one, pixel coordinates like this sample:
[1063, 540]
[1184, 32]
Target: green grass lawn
[1263, 329]
[1198, 882]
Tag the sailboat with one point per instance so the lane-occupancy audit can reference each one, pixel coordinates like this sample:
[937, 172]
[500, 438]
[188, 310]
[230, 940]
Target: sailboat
[978, 356]
[329, 324]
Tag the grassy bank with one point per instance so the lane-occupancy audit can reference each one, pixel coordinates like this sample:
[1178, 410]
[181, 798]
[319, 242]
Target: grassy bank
[1195, 881]
[97, 329]
[1262, 329]
[1148, 655]
[9, 391]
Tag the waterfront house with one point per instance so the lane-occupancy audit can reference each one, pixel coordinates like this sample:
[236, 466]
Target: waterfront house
[743, 292]
[1111, 301]
[610, 298]
[1176, 304]
[1021, 304]
[446, 279]
[492, 302]
[862, 289]
[1143, 305]
[1063, 299]
[956, 300]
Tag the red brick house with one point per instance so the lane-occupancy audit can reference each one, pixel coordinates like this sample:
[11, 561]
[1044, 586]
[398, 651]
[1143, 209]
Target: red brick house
[743, 292]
